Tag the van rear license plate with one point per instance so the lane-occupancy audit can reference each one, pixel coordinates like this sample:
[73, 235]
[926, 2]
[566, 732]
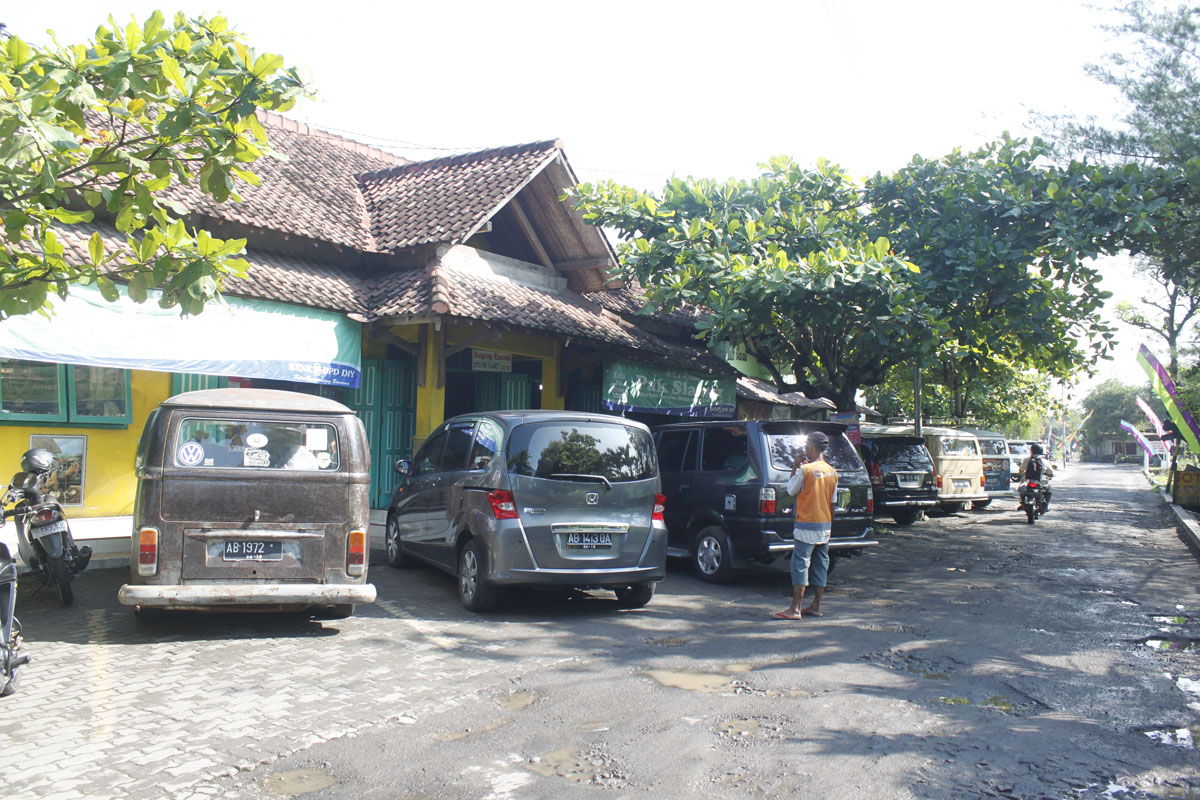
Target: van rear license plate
[589, 541]
[253, 551]
[962, 483]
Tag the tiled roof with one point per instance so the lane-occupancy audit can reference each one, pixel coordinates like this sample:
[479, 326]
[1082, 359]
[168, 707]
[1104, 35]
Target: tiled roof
[285, 279]
[313, 193]
[445, 199]
[630, 299]
[754, 389]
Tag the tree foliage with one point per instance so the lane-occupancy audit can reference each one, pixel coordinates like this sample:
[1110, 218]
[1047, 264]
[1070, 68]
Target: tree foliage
[1174, 306]
[1113, 401]
[784, 265]
[113, 129]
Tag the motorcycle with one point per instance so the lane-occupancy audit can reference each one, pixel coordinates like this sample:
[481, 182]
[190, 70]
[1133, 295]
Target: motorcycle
[10, 627]
[43, 535]
[1033, 499]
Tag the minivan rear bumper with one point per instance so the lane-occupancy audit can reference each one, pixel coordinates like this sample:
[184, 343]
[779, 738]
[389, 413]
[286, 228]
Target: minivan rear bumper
[242, 594]
[619, 576]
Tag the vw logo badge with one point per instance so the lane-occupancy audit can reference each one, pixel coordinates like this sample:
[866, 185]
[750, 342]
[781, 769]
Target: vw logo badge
[592, 498]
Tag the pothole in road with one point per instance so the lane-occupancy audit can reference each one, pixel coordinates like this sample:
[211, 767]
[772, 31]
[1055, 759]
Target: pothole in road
[1171, 644]
[1176, 620]
[577, 765]
[691, 680]
[751, 729]
[517, 701]
[1177, 737]
[296, 782]
[454, 736]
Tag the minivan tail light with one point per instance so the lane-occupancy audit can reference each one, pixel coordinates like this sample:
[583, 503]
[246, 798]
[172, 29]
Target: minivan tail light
[876, 474]
[148, 551]
[356, 553]
[766, 501]
[660, 506]
[870, 501]
[504, 505]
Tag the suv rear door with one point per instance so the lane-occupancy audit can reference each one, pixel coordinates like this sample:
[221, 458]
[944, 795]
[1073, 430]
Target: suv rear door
[584, 491]
[677, 467]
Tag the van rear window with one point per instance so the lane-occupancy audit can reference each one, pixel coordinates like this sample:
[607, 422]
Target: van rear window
[840, 454]
[993, 447]
[578, 450]
[251, 444]
[959, 447]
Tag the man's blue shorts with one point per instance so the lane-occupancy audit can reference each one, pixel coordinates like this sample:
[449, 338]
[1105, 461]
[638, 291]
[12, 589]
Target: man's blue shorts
[816, 555]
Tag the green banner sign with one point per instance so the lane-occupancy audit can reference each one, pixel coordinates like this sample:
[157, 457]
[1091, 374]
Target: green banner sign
[629, 386]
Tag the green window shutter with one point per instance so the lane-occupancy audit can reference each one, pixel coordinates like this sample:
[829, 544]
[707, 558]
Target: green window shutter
[188, 382]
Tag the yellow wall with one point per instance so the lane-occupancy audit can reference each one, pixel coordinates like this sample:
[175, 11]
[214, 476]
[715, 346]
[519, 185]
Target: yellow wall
[108, 480]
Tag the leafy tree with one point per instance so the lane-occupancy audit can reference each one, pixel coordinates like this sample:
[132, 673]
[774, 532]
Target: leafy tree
[1177, 304]
[1111, 402]
[783, 265]
[114, 128]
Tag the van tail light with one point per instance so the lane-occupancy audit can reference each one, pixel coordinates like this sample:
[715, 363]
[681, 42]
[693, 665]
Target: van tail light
[660, 506]
[870, 501]
[148, 551]
[939, 482]
[876, 474]
[504, 505]
[766, 501]
[356, 553]
[983, 481]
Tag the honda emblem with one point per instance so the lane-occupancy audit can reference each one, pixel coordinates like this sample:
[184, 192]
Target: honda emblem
[592, 498]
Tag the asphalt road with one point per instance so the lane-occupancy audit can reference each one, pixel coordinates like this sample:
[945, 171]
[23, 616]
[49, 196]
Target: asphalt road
[968, 656]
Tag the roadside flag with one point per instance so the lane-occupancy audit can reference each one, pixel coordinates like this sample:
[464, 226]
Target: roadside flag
[1164, 387]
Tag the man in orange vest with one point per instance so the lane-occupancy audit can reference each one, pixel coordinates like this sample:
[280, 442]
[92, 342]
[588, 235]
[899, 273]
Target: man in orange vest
[814, 483]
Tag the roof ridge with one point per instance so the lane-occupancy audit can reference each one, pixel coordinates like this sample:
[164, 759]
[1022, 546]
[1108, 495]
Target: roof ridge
[462, 158]
[273, 120]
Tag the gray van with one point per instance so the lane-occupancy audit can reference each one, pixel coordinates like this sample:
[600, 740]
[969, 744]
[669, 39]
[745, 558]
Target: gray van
[533, 498]
[250, 498]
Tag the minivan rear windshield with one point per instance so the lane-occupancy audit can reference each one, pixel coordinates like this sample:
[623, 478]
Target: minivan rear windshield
[910, 453]
[783, 447]
[251, 444]
[582, 451]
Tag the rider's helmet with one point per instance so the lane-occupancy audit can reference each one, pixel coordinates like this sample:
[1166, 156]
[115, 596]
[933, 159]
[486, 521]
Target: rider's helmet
[37, 461]
[1036, 449]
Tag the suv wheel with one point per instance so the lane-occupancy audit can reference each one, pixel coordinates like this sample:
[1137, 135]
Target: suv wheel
[906, 517]
[476, 593]
[635, 596]
[712, 557]
[396, 556]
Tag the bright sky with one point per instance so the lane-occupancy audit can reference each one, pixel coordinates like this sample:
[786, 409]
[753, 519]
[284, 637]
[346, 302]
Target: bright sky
[639, 91]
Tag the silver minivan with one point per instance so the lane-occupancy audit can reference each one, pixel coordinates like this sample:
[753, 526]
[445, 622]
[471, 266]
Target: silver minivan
[533, 498]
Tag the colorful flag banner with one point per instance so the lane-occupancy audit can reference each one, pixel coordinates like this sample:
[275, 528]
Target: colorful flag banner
[1142, 440]
[1164, 387]
[1154, 420]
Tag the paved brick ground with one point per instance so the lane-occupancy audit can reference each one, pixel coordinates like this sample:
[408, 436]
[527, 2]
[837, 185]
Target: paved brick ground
[113, 708]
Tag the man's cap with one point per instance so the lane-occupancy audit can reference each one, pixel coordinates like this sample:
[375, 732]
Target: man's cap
[818, 439]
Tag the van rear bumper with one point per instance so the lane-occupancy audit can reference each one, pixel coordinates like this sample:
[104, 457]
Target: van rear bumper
[242, 594]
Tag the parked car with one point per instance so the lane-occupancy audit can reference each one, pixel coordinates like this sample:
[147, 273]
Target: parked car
[902, 475]
[727, 502]
[533, 498]
[956, 459]
[997, 465]
[1018, 452]
[250, 498]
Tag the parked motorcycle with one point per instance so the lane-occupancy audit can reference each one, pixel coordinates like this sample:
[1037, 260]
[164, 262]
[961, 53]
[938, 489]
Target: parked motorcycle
[1034, 499]
[43, 535]
[10, 627]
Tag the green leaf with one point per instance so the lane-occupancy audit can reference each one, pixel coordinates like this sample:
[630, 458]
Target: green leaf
[108, 289]
[138, 286]
[172, 73]
[96, 249]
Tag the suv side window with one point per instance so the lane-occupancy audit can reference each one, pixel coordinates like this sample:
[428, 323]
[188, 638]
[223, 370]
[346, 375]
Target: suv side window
[430, 455]
[677, 451]
[725, 450]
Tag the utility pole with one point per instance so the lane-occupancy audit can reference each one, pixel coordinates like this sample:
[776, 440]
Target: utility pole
[917, 397]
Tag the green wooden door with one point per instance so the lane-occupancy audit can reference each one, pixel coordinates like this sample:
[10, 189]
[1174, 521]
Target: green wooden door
[386, 401]
[515, 392]
[189, 382]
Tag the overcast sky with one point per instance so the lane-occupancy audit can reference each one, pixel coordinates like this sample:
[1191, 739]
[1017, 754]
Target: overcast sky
[639, 91]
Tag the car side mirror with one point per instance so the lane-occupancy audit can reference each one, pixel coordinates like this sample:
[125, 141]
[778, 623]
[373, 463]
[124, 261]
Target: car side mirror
[403, 467]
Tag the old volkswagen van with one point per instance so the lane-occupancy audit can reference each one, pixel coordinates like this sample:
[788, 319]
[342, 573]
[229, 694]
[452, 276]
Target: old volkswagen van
[250, 499]
[957, 459]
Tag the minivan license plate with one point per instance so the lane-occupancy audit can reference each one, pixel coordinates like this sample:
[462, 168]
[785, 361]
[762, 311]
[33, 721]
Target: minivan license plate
[589, 541]
[253, 551]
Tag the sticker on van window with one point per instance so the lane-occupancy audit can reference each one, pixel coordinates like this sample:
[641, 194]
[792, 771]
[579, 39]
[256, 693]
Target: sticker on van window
[257, 440]
[316, 438]
[323, 460]
[189, 455]
[252, 457]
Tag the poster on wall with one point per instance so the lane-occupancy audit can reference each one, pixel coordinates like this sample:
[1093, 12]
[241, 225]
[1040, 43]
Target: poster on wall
[66, 482]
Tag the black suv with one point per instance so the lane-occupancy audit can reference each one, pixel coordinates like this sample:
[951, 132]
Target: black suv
[727, 501]
[902, 475]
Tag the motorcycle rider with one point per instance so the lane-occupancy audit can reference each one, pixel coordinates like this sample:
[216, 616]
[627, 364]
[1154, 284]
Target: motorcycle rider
[1034, 467]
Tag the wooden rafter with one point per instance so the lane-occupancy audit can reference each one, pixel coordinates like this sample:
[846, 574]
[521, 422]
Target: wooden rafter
[530, 233]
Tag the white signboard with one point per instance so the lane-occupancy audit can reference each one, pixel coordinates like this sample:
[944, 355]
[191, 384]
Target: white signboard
[490, 361]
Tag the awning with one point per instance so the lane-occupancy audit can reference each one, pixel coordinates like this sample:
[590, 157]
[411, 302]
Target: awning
[629, 386]
[243, 338]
